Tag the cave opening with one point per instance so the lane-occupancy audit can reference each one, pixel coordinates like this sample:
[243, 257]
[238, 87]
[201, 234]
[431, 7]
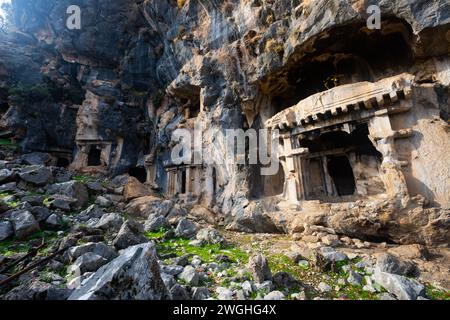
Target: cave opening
[338, 161]
[62, 162]
[346, 55]
[94, 156]
[139, 173]
[183, 182]
[214, 180]
[341, 173]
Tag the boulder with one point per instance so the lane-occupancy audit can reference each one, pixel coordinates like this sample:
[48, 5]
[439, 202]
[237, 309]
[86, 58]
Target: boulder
[354, 278]
[40, 213]
[35, 291]
[189, 276]
[53, 222]
[179, 292]
[155, 222]
[95, 188]
[87, 262]
[103, 202]
[211, 235]
[172, 270]
[323, 287]
[129, 234]
[8, 187]
[93, 211]
[390, 264]
[24, 224]
[73, 189]
[284, 280]
[6, 230]
[36, 158]
[62, 202]
[34, 200]
[110, 221]
[135, 189]
[99, 248]
[204, 214]
[403, 288]
[145, 206]
[134, 275]
[224, 294]
[259, 268]
[37, 175]
[274, 295]
[200, 293]
[176, 214]
[6, 175]
[186, 229]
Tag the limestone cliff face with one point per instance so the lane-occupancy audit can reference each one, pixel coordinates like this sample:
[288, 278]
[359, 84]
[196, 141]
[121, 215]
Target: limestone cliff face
[111, 94]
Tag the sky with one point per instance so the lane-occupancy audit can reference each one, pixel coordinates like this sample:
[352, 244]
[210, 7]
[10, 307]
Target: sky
[1, 2]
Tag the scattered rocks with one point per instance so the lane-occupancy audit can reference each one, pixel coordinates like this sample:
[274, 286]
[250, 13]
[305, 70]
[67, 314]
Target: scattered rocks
[36, 158]
[53, 222]
[323, 287]
[87, 262]
[155, 223]
[6, 230]
[403, 288]
[135, 189]
[224, 294]
[110, 221]
[274, 295]
[103, 202]
[24, 224]
[93, 211]
[186, 229]
[179, 292]
[284, 280]
[36, 175]
[354, 278]
[129, 234]
[134, 274]
[172, 270]
[99, 248]
[259, 268]
[200, 293]
[390, 264]
[211, 235]
[189, 276]
[72, 189]
[6, 175]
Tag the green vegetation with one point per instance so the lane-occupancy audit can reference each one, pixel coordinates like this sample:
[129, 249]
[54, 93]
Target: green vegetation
[14, 246]
[11, 203]
[7, 144]
[83, 178]
[207, 252]
[437, 294]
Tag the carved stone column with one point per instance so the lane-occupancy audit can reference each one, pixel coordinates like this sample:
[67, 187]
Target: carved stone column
[383, 137]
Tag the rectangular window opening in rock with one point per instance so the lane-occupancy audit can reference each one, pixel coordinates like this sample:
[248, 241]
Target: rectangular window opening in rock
[94, 156]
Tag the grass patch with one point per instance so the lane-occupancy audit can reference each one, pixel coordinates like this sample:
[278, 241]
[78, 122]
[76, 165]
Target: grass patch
[437, 294]
[82, 178]
[207, 252]
[8, 144]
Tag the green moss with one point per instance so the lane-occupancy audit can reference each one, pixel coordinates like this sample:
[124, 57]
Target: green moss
[11, 204]
[82, 178]
[437, 294]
